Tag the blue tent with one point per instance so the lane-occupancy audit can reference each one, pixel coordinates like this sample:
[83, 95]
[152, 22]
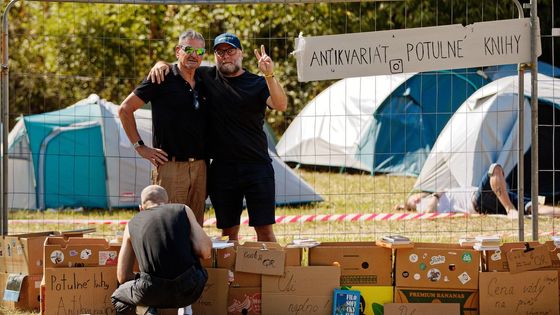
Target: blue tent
[406, 124]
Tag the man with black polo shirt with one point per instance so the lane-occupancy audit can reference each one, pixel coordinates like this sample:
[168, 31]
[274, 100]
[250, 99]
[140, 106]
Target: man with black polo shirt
[241, 167]
[179, 125]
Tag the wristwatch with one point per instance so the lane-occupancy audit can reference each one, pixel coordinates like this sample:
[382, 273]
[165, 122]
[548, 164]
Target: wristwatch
[138, 144]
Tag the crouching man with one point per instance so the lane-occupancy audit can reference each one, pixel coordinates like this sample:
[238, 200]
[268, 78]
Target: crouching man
[167, 241]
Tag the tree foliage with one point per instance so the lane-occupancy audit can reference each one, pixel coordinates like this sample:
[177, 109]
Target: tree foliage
[62, 52]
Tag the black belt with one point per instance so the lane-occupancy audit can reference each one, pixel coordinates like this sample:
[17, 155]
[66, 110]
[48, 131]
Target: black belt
[183, 159]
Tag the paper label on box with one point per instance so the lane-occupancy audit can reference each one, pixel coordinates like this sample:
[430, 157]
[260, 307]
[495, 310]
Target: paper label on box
[85, 254]
[108, 258]
[57, 257]
[521, 260]
[496, 256]
[255, 260]
[464, 278]
[437, 260]
[13, 287]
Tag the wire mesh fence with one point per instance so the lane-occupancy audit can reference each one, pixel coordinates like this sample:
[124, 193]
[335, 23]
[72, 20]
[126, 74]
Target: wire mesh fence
[361, 145]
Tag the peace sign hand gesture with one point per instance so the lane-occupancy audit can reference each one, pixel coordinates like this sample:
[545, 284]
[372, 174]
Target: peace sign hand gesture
[266, 66]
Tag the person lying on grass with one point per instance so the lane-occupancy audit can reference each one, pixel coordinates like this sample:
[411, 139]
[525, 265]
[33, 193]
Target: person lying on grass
[493, 197]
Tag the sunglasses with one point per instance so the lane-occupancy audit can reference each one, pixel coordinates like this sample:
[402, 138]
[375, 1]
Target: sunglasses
[229, 51]
[189, 50]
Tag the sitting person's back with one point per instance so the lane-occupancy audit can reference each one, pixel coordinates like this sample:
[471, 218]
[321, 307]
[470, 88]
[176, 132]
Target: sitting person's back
[167, 241]
[161, 240]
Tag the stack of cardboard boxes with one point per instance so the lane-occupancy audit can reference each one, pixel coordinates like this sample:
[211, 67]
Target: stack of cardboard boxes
[79, 275]
[21, 270]
[265, 278]
[520, 278]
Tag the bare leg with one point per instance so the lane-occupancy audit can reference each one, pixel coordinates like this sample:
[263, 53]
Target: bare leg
[231, 232]
[265, 233]
[499, 187]
[549, 211]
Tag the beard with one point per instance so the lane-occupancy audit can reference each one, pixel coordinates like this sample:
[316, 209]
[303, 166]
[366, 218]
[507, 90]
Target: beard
[229, 68]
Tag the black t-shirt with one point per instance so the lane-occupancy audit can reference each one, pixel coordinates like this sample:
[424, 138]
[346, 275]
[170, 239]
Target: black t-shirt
[161, 240]
[236, 109]
[178, 125]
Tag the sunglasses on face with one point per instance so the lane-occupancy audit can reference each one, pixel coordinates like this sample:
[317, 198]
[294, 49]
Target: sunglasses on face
[229, 51]
[189, 50]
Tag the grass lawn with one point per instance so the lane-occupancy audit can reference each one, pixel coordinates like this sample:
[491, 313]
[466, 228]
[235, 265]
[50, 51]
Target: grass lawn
[343, 194]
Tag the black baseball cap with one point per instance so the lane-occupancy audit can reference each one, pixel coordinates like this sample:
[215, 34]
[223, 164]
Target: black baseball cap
[227, 38]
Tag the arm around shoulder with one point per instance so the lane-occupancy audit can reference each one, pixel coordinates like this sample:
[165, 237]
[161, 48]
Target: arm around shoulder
[201, 242]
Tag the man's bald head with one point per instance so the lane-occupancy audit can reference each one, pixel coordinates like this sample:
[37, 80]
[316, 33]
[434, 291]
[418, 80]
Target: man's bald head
[153, 195]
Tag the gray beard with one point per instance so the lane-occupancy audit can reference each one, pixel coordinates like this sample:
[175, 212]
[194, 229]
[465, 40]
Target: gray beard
[229, 68]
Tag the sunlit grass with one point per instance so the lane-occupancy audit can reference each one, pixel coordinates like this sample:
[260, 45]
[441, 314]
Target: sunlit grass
[343, 194]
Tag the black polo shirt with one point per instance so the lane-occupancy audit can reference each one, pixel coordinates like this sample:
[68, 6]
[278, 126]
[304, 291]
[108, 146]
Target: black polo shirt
[178, 126]
[236, 111]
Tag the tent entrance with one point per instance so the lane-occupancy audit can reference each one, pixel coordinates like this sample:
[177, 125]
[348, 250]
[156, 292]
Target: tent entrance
[72, 169]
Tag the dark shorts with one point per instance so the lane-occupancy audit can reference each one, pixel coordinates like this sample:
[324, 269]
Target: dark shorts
[147, 290]
[229, 183]
[488, 203]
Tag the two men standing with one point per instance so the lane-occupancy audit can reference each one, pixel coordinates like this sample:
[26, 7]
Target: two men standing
[228, 123]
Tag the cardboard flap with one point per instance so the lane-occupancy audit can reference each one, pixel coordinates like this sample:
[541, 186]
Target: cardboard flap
[422, 308]
[64, 242]
[269, 245]
[527, 259]
[261, 259]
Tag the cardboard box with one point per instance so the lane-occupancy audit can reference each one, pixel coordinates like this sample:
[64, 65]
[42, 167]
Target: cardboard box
[28, 293]
[244, 301]
[85, 290]
[60, 252]
[467, 299]
[301, 290]
[215, 295]
[531, 292]
[245, 280]
[438, 268]
[23, 253]
[361, 263]
[260, 257]
[372, 298]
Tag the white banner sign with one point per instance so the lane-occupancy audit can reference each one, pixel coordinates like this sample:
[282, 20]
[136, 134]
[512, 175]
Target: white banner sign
[414, 50]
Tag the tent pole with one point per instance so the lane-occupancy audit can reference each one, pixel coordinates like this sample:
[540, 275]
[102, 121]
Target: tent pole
[520, 144]
[5, 115]
[534, 121]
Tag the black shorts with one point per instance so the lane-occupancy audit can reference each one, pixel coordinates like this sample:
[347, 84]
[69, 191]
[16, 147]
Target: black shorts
[487, 202]
[229, 183]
